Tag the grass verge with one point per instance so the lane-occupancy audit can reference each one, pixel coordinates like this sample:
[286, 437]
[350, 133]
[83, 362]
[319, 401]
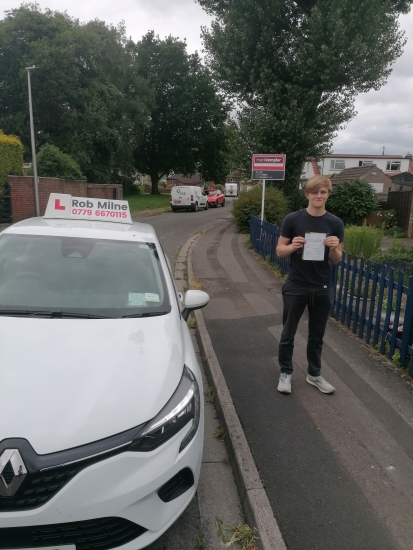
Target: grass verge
[139, 203]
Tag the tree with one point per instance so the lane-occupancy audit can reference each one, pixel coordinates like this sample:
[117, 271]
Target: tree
[53, 163]
[352, 201]
[297, 67]
[87, 98]
[186, 132]
[11, 158]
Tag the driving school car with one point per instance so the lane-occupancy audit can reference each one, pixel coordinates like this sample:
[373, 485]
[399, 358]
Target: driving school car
[101, 429]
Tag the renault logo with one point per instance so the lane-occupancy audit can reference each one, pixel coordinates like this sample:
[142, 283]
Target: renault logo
[12, 472]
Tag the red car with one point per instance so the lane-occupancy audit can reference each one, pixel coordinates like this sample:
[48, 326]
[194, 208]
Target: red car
[215, 198]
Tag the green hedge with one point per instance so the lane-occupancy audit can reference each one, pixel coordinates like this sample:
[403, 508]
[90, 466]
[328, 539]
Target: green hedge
[352, 201]
[249, 202]
[11, 157]
[53, 163]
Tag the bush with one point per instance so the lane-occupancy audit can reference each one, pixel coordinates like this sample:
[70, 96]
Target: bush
[352, 201]
[53, 163]
[362, 240]
[248, 203]
[396, 232]
[398, 257]
[384, 219]
[11, 157]
[135, 189]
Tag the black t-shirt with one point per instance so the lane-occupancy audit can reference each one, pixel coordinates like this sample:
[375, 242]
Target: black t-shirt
[297, 224]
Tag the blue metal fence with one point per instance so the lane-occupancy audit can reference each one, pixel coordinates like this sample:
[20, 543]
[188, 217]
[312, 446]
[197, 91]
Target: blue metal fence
[374, 302]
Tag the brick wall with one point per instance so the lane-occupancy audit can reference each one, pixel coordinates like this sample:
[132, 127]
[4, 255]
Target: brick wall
[23, 203]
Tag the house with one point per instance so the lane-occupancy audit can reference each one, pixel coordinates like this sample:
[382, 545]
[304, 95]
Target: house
[380, 181]
[233, 177]
[403, 181]
[180, 179]
[331, 164]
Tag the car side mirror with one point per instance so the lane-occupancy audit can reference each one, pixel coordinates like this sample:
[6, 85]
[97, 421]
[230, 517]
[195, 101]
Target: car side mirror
[194, 299]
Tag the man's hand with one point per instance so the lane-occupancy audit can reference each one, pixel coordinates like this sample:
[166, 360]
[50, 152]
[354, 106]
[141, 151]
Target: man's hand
[298, 242]
[336, 249]
[286, 248]
[331, 242]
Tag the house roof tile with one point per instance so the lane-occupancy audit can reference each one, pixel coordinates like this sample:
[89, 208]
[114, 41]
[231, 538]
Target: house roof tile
[349, 174]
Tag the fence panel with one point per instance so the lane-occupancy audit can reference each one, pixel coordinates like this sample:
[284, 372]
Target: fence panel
[401, 201]
[366, 300]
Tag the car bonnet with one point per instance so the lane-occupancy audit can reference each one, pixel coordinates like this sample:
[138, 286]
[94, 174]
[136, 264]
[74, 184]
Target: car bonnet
[68, 382]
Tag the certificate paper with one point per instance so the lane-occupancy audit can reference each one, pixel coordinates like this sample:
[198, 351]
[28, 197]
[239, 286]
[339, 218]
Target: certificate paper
[314, 248]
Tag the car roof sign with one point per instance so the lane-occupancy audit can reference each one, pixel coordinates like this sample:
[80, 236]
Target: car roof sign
[66, 207]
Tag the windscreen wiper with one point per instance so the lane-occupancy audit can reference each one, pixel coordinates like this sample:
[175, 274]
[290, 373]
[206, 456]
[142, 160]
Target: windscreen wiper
[147, 314]
[50, 314]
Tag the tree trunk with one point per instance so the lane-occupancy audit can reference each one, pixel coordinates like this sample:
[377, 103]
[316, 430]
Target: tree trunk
[155, 180]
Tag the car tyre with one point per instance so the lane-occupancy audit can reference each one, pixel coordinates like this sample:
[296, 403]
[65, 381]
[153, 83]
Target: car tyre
[195, 207]
[206, 205]
[173, 209]
[223, 203]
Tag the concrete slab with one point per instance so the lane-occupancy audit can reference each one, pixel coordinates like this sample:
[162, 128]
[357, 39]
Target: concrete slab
[224, 308]
[217, 493]
[260, 305]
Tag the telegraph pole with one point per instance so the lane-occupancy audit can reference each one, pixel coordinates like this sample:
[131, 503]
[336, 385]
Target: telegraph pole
[36, 180]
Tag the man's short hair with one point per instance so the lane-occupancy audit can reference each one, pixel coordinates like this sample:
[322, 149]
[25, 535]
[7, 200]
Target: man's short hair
[317, 182]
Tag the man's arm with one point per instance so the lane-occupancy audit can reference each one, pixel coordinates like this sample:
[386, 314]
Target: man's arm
[336, 249]
[286, 248]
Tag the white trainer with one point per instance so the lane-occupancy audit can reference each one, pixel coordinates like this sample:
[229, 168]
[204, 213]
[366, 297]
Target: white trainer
[284, 385]
[320, 383]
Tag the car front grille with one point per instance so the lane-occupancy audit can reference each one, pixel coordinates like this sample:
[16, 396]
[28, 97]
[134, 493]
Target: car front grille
[97, 534]
[39, 487]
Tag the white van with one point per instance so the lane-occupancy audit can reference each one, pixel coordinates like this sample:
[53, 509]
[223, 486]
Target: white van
[185, 197]
[231, 189]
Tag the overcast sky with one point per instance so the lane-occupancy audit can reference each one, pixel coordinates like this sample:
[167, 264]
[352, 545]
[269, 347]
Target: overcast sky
[385, 118]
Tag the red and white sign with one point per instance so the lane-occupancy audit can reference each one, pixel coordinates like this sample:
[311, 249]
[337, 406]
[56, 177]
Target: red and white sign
[84, 208]
[268, 167]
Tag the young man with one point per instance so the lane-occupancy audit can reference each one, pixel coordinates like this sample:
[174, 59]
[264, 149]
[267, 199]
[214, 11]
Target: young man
[312, 238]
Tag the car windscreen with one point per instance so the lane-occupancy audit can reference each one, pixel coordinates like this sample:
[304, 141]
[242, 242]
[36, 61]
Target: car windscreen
[213, 193]
[99, 277]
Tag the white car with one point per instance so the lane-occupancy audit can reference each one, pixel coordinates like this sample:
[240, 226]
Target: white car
[188, 197]
[101, 410]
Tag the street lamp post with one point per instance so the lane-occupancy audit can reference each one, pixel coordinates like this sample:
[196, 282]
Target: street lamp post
[36, 180]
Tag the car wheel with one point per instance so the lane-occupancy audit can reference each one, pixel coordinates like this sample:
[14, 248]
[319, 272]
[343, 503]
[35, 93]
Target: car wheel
[216, 204]
[195, 207]
[206, 205]
[173, 209]
[223, 203]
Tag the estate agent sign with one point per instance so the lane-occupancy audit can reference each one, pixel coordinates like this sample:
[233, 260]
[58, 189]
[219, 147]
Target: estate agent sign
[268, 167]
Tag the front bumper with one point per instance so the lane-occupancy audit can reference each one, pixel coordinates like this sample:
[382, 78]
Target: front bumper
[123, 486]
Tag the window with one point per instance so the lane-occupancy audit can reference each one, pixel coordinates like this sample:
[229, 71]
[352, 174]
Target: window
[393, 166]
[231, 180]
[365, 162]
[83, 275]
[337, 165]
[378, 187]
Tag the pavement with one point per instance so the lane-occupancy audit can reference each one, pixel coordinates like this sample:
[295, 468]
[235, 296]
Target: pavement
[313, 471]
[218, 498]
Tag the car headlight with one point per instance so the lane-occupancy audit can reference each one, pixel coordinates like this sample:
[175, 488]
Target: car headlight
[183, 407]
